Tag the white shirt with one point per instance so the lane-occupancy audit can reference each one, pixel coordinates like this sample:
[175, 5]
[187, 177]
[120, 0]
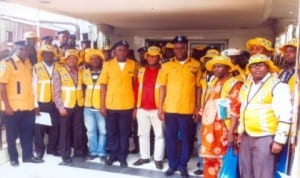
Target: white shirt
[35, 81]
[281, 101]
[122, 65]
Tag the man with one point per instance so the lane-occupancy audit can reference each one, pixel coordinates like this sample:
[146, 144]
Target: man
[62, 37]
[117, 102]
[141, 52]
[147, 92]
[107, 53]
[288, 76]
[42, 87]
[260, 45]
[62, 42]
[179, 103]
[265, 119]
[46, 40]
[31, 39]
[93, 119]
[17, 95]
[85, 45]
[168, 52]
[68, 98]
[217, 132]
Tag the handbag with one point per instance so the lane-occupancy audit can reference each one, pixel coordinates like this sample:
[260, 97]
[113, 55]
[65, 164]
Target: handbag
[230, 163]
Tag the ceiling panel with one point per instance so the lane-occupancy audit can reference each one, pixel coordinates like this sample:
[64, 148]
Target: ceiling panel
[170, 14]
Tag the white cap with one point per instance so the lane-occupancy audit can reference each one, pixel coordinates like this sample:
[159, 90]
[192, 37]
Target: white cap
[231, 52]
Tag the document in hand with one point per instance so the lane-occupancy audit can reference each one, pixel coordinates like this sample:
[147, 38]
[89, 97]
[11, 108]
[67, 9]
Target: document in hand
[43, 119]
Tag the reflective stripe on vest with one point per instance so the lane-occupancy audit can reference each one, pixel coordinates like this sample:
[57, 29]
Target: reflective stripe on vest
[257, 115]
[92, 92]
[71, 95]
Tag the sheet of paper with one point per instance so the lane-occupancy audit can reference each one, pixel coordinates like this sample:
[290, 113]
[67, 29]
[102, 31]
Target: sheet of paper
[43, 119]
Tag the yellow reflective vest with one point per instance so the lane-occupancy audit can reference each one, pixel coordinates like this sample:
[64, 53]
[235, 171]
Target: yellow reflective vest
[257, 117]
[44, 83]
[92, 91]
[71, 94]
[141, 74]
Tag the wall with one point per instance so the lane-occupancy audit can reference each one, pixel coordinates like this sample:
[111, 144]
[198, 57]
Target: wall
[237, 38]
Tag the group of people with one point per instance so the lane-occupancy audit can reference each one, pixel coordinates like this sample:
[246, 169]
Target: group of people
[92, 97]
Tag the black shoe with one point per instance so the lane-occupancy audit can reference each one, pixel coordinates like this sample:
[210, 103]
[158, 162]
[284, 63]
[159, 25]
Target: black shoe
[158, 165]
[33, 160]
[198, 172]
[91, 157]
[170, 172]
[141, 162]
[39, 157]
[103, 159]
[110, 161]
[123, 164]
[66, 161]
[184, 174]
[14, 163]
[134, 151]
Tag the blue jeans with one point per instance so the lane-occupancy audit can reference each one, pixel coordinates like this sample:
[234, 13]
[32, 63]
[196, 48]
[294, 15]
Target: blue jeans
[96, 132]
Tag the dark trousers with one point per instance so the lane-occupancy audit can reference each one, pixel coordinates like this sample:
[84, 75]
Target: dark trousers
[135, 135]
[41, 130]
[20, 124]
[178, 123]
[72, 132]
[118, 125]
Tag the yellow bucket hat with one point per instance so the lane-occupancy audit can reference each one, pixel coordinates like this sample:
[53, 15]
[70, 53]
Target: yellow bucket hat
[71, 52]
[90, 52]
[219, 60]
[259, 41]
[153, 51]
[293, 42]
[210, 54]
[48, 48]
[258, 58]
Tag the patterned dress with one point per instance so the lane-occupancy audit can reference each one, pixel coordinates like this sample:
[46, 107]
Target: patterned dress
[214, 130]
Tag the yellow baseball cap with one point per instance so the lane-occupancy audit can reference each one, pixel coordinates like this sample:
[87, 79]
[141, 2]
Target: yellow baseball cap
[258, 58]
[293, 42]
[153, 51]
[259, 41]
[217, 59]
[90, 52]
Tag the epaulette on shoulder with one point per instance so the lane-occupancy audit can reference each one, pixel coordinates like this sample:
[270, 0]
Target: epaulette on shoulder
[12, 62]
